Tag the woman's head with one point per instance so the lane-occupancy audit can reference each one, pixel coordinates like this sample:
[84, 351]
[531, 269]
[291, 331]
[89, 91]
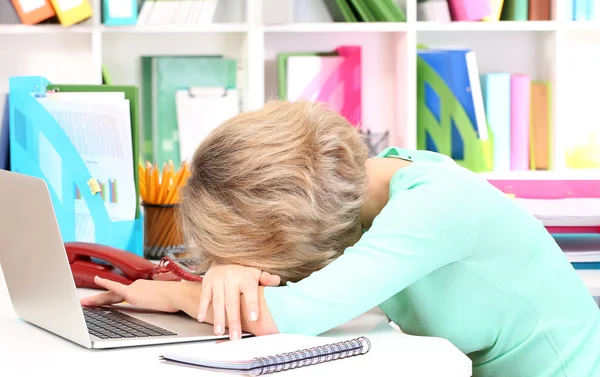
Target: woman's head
[279, 189]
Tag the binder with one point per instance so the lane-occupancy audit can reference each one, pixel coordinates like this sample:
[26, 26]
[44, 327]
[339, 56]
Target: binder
[70, 12]
[32, 12]
[469, 10]
[119, 12]
[162, 77]
[30, 123]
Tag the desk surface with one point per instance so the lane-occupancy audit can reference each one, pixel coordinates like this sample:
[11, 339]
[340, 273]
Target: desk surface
[27, 350]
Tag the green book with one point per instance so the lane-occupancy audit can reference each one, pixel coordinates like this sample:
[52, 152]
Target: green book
[162, 77]
[347, 11]
[395, 10]
[362, 11]
[515, 10]
[132, 95]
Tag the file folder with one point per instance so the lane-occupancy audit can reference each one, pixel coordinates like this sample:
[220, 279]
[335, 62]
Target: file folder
[70, 12]
[33, 12]
[119, 12]
[31, 124]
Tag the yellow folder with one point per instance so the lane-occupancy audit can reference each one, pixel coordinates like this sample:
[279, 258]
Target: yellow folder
[497, 8]
[70, 12]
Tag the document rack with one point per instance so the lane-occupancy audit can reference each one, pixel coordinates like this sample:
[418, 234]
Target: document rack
[30, 123]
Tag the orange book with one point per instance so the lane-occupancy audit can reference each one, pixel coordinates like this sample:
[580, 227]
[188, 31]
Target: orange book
[32, 12]
[539, 10]
[540, 123]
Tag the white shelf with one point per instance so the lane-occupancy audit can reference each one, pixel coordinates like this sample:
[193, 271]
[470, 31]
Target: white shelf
[520, 26]
[339, 27]
[542, 49]
[208, 28]
[43, 29]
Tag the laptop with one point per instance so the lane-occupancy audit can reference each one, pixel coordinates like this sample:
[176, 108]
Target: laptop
[41, 285]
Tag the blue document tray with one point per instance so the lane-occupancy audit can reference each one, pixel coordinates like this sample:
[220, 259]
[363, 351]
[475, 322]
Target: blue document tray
[29, 121]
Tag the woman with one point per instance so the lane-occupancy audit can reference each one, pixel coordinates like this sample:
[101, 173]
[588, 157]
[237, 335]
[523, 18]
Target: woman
[289, 190]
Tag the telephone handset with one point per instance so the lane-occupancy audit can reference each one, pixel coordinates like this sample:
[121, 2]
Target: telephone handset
[88, 260]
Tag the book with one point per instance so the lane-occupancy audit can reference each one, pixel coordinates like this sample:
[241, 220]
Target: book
[496, 97]
[177, 12]
[515, 10]
[539, 10]
[520, 89]
[434, 10]
[269, 354]
[567, 212]
[497, 6]
[540, 143]
[469, 10]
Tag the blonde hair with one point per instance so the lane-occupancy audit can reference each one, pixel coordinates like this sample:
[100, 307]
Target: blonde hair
[279, 189]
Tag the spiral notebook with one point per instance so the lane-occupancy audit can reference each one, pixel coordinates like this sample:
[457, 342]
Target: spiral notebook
[269, 354]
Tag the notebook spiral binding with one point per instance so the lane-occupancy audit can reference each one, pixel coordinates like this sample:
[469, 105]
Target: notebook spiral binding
[310, 356]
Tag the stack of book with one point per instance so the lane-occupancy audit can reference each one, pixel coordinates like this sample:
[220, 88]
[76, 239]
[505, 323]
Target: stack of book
[484, 10]
[487, 122]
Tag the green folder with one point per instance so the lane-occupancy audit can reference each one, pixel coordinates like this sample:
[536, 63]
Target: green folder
[282, 69]
[162, 77]
[132, 95]
[515, 10]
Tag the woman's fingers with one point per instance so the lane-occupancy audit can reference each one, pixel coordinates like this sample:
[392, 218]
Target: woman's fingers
[268, 280]
[205, 300]
[218, 302]
[250, 292]
[232, 304]
[112, 286]
[106, 298]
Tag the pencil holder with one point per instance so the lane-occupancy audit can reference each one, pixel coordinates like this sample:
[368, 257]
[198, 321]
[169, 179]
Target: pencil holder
[162, 233]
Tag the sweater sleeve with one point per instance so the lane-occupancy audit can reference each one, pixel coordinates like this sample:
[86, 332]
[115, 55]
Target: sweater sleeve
[420, 230]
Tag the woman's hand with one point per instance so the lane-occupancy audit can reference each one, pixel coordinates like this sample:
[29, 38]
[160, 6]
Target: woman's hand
[145, 294]
[222, 285]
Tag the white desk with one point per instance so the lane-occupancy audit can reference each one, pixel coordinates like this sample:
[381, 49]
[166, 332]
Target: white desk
[26, 350]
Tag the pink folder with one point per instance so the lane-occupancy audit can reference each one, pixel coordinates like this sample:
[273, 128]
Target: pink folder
[469, 10]
[347, 76]
[553, 189]
[520, 88]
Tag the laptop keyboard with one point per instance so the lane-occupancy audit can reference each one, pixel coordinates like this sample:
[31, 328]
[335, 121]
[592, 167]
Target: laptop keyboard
[106, 323]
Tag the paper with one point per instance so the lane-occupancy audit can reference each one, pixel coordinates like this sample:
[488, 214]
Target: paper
[120, 8]
[31, 5]
[564, 212]
[100, 130]
[199, 112]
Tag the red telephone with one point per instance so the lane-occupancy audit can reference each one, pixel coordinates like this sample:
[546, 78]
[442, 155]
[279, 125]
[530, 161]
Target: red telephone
[121, 266]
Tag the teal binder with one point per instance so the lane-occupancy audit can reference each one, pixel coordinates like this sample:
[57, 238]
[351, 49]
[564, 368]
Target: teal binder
[29, 121]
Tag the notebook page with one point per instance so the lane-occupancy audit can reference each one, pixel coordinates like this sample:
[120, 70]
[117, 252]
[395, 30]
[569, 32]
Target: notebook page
[564, 212]
[100, 130]
[242, 352]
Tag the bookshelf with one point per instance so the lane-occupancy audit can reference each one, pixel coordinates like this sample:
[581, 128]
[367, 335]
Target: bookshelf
[541, 49]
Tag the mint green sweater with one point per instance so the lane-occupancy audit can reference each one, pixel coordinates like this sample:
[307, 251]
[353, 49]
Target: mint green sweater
[450, 256]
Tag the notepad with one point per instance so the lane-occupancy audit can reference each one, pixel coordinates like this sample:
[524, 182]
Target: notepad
[564, 212]
[269, 354]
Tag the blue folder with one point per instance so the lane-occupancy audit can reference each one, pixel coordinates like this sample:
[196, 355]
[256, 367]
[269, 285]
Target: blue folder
[28, 121]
